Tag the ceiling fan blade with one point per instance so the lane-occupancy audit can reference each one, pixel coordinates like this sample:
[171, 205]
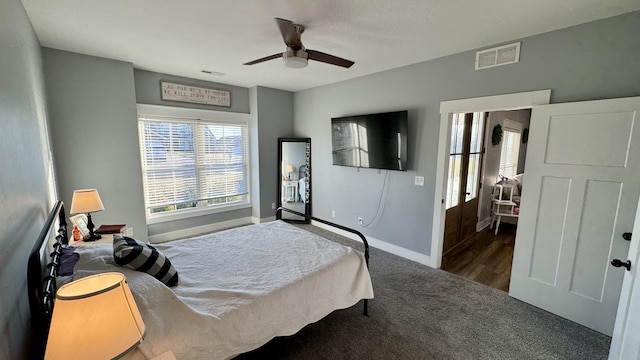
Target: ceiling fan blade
[266, 58]
[290, 33]
[329, 59]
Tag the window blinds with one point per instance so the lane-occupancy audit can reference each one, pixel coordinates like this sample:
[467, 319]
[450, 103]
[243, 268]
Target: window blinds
[510, 153]
[192, 163]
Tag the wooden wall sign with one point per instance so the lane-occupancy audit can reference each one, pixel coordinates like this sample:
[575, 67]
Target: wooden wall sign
[194, 94]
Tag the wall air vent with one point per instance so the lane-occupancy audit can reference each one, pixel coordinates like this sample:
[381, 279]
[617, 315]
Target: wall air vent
[497, 56]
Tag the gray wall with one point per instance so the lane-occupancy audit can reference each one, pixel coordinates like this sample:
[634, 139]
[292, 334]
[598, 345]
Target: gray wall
[80, 109]
[148, 92]
[271, 118]
[94, 133]
[591, 61]
[26, 185]
[493, 153]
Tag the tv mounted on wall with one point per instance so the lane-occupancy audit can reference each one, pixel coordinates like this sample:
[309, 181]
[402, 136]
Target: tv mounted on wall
[377, 141]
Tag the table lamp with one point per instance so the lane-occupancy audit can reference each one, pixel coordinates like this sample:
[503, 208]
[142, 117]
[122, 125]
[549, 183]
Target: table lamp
[94, 317]
[87, 201]
[289, 170]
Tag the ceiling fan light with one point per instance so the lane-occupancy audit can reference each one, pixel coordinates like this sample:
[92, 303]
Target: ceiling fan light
[297, 59]
[295, 62]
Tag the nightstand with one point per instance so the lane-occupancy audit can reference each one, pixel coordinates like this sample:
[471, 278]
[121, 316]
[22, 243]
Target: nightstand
[289, 191]
[500, 208]
[106, 239]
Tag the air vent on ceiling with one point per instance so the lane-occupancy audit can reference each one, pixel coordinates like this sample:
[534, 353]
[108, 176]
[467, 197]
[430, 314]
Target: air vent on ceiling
[501, 55]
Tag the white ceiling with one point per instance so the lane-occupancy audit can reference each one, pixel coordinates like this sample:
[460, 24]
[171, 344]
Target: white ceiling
[184, 37]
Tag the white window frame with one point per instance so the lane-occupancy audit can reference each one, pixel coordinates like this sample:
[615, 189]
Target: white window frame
[159, 111]
[514, 127]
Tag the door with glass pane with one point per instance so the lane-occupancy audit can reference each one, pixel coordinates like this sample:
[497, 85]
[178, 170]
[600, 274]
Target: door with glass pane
[463, 180]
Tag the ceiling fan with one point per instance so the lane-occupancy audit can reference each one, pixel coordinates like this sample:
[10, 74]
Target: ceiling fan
[296, 55]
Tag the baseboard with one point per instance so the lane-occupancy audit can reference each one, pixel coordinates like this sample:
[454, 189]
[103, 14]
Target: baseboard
[198, 230]
[257, 220]
[483, 224]
[381, 245]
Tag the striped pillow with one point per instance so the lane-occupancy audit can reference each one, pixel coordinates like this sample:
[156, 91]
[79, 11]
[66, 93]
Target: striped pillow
[133, 254]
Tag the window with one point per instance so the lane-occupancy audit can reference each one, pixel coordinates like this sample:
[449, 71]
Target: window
[474, 162]
[510, 149]
[191, 164]
[467, 131]
[455, 160]
[350, 144]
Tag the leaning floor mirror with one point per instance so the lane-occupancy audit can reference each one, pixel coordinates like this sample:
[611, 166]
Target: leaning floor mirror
[294, 178]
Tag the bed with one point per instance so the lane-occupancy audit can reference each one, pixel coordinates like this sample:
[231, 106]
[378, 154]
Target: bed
[238, 289]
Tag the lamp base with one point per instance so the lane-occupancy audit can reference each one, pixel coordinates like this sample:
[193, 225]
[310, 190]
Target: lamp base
[93, 237]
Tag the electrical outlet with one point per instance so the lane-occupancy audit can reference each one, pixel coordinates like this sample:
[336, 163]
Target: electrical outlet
[419, 180]
[333, 213]
[273, 206]
[360, 221]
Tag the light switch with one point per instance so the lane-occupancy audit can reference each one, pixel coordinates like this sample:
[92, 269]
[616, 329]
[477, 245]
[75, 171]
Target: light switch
[420, 180]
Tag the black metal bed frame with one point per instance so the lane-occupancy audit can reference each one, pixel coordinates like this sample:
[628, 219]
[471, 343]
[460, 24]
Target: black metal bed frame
[42, 291]
[338, 226]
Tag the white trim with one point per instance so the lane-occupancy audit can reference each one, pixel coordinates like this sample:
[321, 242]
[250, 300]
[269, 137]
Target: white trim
[257, 220]
[198, 230]
[497, 102]
[191, 113]
[482, 224]
[177, 113]
[379, 244]
[487, 103]
[191, 213]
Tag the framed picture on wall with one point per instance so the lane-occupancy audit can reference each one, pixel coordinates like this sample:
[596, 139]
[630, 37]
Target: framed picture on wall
[80, 221]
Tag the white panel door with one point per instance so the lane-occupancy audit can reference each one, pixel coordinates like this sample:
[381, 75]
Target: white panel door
[580, 191]
[625, 344]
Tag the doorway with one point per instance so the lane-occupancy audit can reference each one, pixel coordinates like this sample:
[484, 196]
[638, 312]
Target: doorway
[484, 253]
[574, 177]
[447, 109]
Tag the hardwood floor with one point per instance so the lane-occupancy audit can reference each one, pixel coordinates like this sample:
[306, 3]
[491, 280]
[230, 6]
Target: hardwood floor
[484, 257]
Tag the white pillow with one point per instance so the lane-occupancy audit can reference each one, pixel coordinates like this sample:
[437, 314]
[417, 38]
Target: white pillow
[519, 178]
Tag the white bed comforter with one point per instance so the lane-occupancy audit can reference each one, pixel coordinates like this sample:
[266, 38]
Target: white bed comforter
[238, 289]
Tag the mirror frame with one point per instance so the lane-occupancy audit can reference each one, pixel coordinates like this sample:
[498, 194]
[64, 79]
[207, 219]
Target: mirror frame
[307, 194]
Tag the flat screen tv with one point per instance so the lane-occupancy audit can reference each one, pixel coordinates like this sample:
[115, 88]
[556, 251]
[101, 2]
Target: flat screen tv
[377, 141]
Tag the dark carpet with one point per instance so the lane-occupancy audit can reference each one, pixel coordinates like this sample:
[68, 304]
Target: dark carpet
[423, 313]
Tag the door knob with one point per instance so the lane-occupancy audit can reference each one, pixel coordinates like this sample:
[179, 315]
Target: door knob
[619, 263]
[626, 236]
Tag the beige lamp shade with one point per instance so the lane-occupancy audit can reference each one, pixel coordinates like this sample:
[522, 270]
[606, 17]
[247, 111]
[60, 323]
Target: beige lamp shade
[289, 168]
[94, 317]
[86, 201]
